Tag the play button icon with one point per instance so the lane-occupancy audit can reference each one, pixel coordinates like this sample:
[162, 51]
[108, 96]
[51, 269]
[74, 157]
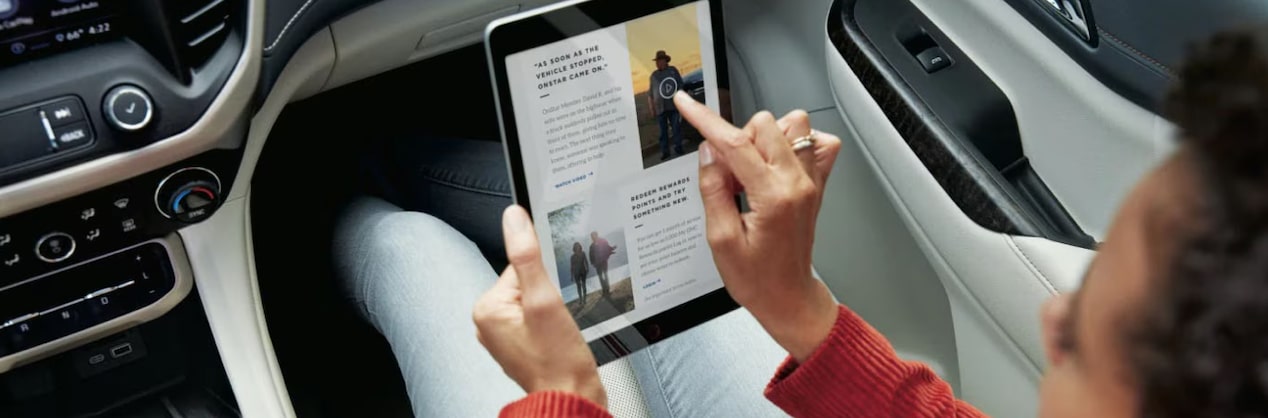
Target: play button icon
[667, 88]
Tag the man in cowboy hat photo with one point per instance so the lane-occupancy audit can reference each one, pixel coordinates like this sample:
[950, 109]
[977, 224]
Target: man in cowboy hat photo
[665, 82]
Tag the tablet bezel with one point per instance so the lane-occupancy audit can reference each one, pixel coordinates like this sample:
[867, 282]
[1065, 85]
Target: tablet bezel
[550, 24]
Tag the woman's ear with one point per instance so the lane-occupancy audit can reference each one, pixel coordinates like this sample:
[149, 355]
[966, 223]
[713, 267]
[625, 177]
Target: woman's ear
[1054, 319]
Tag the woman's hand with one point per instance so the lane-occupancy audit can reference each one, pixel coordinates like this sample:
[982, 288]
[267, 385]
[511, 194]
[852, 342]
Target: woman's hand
[524, 324]
[764, 254]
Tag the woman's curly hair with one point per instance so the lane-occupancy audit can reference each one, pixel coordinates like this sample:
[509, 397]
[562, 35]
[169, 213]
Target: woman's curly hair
[1200, 347]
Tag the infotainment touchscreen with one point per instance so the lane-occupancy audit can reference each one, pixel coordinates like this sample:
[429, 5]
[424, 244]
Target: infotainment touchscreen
[33, 28]
[606, 165]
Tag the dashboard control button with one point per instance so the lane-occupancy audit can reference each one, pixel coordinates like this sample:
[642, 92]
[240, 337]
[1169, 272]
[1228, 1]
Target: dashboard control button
[31, 332]
[14, 266]
[87, 214]
[127, 225]
[194, 201]
[63, 112]
[17, 322]
[193, 198]
[93, 234]
[128, 108]
[63, 320]
[101, 307]
[55, 247]
[188, 195]
[122, 203]
[72, 136]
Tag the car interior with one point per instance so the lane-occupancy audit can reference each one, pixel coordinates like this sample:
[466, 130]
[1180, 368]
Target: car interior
[171, 173]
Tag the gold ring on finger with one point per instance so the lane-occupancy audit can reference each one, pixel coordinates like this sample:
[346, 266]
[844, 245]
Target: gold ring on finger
[804, 143]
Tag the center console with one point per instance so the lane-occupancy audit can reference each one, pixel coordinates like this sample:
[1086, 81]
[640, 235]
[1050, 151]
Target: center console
[81, 279]
[68, 269]
[102, 161]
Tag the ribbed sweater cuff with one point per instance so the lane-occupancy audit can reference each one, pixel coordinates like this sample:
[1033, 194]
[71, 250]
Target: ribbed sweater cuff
[553, 404]
[855, 365]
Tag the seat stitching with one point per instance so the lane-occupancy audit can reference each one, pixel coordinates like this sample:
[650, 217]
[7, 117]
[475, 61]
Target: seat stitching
[281, 34]
[1135, 51]
[660, 382]
[429, 176]
[1033, 267]
[361, 241]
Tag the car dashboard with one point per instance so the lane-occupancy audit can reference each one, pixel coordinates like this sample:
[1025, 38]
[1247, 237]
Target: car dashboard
[129, 131]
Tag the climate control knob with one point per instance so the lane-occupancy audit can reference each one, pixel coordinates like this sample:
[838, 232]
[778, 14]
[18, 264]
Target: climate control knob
[188, 195]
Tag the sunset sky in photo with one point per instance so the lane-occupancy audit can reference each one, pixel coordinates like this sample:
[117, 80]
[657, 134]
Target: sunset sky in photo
[674, 31]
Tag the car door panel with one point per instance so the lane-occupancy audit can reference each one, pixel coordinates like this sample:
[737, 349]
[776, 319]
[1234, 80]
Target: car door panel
[993, 289]
[863, 253]
[955, 119]
[1086, 145]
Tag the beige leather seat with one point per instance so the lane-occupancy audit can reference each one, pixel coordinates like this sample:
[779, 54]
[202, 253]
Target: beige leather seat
[625, 397]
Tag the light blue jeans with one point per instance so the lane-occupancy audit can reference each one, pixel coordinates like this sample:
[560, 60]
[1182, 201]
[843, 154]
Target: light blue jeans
[416, 279]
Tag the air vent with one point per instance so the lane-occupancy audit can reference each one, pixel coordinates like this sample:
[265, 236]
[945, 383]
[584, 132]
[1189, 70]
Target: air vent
[200, 27]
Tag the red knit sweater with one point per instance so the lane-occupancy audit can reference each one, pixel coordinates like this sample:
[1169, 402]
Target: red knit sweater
[854, 373]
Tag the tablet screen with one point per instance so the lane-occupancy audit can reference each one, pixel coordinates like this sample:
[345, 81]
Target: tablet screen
[611, 167]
